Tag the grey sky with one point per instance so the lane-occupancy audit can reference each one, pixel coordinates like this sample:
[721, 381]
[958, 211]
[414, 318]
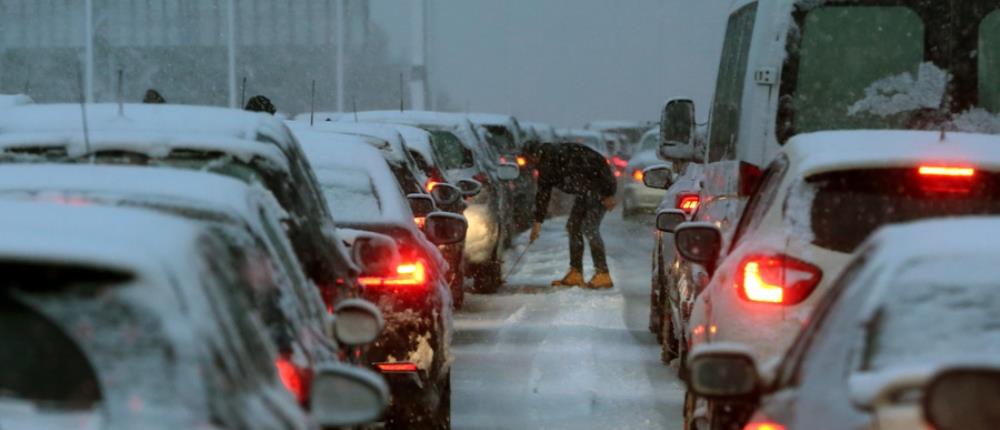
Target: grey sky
[566, 61]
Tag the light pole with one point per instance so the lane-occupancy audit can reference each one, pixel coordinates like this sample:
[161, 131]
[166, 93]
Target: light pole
[341, 35]
[231, 51]
[88, 73]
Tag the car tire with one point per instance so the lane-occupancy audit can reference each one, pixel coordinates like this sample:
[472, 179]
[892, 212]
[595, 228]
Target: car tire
[668, 346]
[458, 288]
[442, 419]
[655, 310]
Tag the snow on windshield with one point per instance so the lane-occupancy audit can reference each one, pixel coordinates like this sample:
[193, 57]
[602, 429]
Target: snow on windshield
[904, 92]
[937, 309]
[351, 194]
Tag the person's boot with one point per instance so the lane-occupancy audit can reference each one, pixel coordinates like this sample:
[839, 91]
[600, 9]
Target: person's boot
[572, 279]
[601, 281]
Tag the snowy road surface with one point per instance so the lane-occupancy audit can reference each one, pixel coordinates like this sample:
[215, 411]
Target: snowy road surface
[537, 357]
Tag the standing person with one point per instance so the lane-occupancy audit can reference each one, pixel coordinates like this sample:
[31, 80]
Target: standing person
[578, 170]
[260, 103]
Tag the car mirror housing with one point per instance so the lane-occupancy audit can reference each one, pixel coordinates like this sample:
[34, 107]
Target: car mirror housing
[667, 220]
[347, 396]
[678, 130]
[963, 398]
[445, 228]
[470, 187]
[357, 322]
[659, 177]
[508, 172]
[699, 242]
[374, 254]
[446, 194]
[723, 371]
[421, 204]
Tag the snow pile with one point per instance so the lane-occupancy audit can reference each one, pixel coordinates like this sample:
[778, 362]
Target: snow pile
[904, 92]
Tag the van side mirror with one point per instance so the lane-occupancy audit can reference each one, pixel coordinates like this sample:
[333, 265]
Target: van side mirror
[421, 204]
[347, 396]
[659, 177]
[508, 172]
[667, 220]
[963, 398]
[699, 242]
[357, 322]
[445, 228]
[470, 187]
[723, 371]
[678, 131]
[446, 194]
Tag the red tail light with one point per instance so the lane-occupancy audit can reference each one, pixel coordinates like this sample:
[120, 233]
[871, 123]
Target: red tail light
[503, 159]
[777, 279]
[939, 179]
[291, 378]
[521, 161]
[767, 425]
[407, 275]
[420, 221]
[637, 175]
[619, 162]
[688, 202]
[430, 185]
[397, 367]
[955, 172]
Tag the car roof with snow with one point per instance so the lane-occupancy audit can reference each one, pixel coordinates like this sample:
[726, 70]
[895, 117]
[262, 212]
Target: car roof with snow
[171, 186]
[358, 171]
[455, 122]
[387, 137]
[815, 153]
[144, 118]
[938, 238]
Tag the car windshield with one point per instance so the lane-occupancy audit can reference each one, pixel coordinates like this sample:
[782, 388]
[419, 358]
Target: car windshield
[890, 64]
[351, 194]
[845, 207]
[451, 153]
[936, 309]
[502, 139]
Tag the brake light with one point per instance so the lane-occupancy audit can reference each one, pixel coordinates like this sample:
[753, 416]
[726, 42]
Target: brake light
[777, 279]
[764, 426]
[688, 202]
[618, 173]
[521, 161]
[399, 367]
[637, 175]
[291, 379]
[750, 177]
[407, 275]
[619, 162]
[430, 185]
[956, 172]
[420, 221]
[503, 159]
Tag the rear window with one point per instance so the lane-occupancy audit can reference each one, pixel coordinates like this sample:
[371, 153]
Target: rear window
[502, 139]
[351, 194]
[450, 151]
[960, 296]
[850, 205]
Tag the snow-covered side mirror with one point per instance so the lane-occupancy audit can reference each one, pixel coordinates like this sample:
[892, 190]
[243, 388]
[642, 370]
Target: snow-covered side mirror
[446, 194]
[445, 228]
[421, 205]
[357, 322]
[678, 131]
[660, 177]
[347, 396]
[723, 371]
[470, 187]
[667, 220]
[508, 172]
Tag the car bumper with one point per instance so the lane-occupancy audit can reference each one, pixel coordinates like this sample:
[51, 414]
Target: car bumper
[643, 198]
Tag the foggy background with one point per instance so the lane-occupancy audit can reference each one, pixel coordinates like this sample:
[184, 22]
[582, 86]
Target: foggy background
[559, 61]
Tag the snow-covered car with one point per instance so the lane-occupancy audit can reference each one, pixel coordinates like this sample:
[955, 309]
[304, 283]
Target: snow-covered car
[823, 195]
[253, 147]
[637, 197]
[632, 131]
[413, 352]
[126, 318]
[541, 132]
[249, 220]
[914, 300]
[465, 156]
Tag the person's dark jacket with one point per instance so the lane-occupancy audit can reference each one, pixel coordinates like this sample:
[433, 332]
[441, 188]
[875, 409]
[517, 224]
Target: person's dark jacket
[573, 169]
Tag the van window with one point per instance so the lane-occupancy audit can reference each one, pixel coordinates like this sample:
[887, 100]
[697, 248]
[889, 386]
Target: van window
[729, 88]
[844, 51]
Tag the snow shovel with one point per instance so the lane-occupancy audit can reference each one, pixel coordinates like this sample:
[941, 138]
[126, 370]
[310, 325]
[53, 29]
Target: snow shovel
[517, 261]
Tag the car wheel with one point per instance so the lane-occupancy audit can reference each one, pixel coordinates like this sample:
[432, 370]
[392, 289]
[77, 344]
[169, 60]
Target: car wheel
[668, 345]
[457, 288]
[655, 310]
[443, 418]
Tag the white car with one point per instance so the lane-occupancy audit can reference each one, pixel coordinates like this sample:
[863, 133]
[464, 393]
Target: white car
[916, 300]
[637, 197]
[824, 195]
[136, 322]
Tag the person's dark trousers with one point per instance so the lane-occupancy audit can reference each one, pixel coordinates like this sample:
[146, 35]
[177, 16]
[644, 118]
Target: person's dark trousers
[585, 222]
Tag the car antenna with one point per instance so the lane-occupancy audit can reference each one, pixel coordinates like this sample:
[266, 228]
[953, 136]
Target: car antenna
[400, 92]
[312, 104]
[83, 112]
[121, 94]
[243, 92]
[354, 105]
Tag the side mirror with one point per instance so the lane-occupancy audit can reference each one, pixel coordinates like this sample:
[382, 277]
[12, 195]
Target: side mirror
[699, 242]
[374, 253]
[421, 204]
[678, 130]
[446, 194]
[659, 177]
[357, 322]
[347, 396]
[469, 187]
[445, 228]
[963, 399]
[723, 372]
[508, 172]
[667, 220]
